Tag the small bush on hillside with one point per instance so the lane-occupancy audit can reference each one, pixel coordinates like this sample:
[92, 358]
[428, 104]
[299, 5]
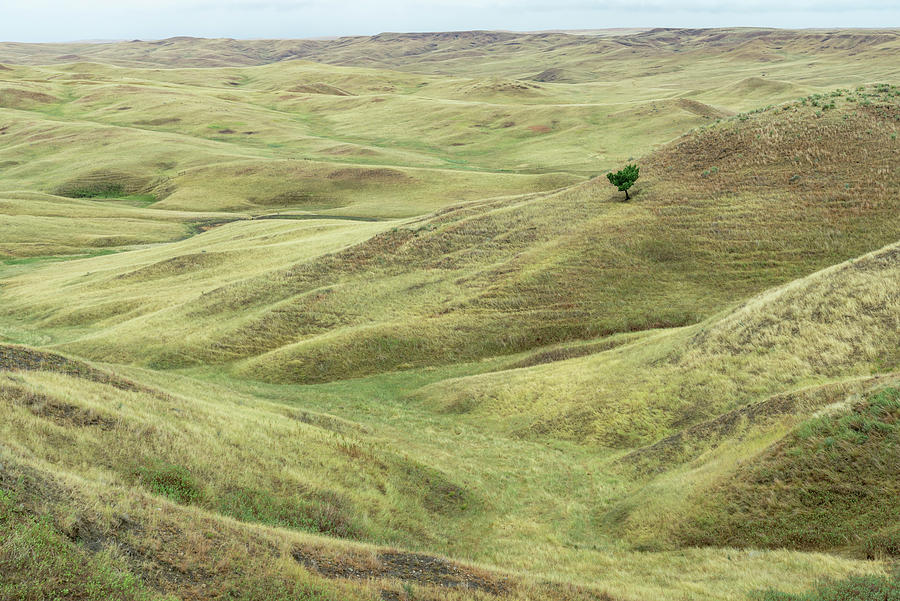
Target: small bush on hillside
[625, 178]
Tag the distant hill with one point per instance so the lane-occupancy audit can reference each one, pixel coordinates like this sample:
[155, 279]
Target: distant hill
[449, 52]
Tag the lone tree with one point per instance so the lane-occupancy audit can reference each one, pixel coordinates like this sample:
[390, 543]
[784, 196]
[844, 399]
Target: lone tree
[625, 178]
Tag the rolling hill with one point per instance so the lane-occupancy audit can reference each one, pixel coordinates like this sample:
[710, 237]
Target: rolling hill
[751, 202]
[361, 318]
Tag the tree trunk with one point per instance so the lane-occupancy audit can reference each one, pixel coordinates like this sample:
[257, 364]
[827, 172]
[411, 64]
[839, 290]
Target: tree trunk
[626, 194]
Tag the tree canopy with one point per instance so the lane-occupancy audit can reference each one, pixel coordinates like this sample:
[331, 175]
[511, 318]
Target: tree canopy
[625, 178]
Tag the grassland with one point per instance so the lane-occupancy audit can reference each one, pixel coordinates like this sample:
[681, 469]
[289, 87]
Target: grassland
[366, 325]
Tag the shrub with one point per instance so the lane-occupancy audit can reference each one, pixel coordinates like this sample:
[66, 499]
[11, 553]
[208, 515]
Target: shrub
[625, 178]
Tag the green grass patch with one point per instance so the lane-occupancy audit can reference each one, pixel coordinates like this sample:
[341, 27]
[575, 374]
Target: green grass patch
[854, 588]
[833, 484]
[38, 563]
[97, 190]
[171, 481]
[325, 513]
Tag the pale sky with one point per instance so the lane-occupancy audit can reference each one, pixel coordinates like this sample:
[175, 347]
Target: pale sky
[68, 20]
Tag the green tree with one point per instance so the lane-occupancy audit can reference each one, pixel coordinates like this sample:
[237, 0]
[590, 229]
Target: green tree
[625, 178]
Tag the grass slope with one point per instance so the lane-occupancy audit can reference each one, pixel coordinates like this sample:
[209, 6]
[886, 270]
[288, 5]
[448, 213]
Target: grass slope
[788, 191]
[367, 314]
[40, 225]
[830, 484]
[837, 323]
[734, 466]
[135, 475]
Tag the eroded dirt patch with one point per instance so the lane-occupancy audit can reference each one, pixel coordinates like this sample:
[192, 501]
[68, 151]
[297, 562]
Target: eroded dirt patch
[320, 88]
[17, 98]
[377, 174]
[424, 570]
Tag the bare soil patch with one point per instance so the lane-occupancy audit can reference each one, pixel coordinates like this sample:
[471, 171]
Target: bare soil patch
[425, 570]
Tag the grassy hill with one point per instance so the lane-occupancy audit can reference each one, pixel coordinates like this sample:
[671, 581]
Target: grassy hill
[748, 203]
[849, 454]
[361, 319]
[767, 426]
[40, 225]
[802, 334]
[582, 53]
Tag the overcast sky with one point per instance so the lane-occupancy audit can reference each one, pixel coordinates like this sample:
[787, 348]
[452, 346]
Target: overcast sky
[66, 20]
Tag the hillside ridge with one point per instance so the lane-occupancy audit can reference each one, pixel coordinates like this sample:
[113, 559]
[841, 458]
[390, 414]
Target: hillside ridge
[393, 48]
